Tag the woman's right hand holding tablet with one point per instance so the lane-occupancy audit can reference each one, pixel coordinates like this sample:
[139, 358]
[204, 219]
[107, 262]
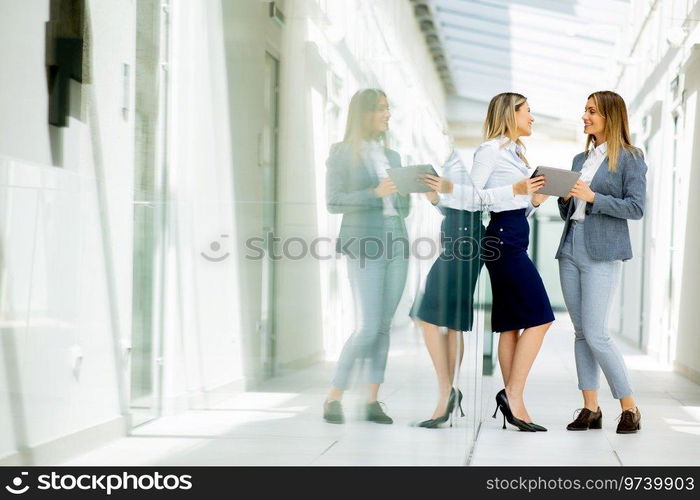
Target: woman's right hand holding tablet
[385, 188]
[528, 185]
[571, 193]
[582, 191]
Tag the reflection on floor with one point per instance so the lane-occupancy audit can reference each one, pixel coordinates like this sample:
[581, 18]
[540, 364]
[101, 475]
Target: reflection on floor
[281, 424]
[669, 403]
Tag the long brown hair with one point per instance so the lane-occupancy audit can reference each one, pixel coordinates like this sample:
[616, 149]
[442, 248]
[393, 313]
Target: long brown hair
[501, 120]
[612, 108]
[357, 128]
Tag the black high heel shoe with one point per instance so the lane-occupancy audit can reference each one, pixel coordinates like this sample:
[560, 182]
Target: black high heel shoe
[433, 423]
[502, 404]
[535, 426]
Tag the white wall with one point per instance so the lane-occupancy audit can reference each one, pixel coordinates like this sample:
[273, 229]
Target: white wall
[24, 99]
[688, 343]
[661, 306]
[65, 239]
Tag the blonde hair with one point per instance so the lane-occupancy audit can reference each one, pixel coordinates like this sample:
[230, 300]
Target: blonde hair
[617, 131]
[357, 127]
[501, 120]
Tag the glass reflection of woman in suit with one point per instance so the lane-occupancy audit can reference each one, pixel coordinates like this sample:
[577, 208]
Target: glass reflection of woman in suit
[448, 300]
[358, 187]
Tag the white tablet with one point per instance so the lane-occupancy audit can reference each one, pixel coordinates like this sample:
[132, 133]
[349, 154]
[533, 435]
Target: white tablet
[408, 179]
[559, 181]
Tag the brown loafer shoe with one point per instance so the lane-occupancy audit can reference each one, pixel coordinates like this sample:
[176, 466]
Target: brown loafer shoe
[586, 419]
[629, 421]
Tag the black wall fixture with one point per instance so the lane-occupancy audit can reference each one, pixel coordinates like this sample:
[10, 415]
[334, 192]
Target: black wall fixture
[65, 47]
[68, 54]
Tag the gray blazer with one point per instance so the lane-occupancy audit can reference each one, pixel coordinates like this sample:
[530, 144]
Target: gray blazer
[618, 196]
[349, 181]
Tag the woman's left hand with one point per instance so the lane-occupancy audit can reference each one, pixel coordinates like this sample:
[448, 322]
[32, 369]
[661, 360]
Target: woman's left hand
[439, 184]
[582, 191]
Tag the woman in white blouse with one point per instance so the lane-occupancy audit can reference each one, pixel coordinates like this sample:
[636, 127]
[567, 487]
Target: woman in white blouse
[448, 297]
[521, 309]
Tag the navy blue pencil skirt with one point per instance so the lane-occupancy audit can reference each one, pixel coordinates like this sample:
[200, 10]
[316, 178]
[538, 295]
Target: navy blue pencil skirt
[448, 299]
[519, 297]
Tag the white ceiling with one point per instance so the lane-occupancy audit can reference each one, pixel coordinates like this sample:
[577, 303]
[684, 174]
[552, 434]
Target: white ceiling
[555, 52]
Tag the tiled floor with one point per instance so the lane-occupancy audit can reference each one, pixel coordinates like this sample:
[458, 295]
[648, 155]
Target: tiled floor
[281, 424]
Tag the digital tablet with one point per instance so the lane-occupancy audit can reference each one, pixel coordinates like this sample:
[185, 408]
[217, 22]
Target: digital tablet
[408, 179]
[559, 181]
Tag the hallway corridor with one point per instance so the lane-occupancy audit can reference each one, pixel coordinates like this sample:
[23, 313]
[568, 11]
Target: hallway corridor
[192, 193]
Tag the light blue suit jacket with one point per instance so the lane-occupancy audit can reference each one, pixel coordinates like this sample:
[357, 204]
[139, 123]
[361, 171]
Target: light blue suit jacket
[619, 196]
[348, 191]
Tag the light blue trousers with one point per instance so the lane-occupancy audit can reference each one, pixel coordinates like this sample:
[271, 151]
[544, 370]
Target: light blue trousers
[377, 286]
[588, 287]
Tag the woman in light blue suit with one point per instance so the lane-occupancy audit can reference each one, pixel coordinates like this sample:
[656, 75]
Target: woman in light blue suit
[358, 186]
[594, 243]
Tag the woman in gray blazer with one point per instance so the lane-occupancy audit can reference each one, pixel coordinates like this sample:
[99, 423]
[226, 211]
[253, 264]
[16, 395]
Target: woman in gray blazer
[373, 239]
[594, 243]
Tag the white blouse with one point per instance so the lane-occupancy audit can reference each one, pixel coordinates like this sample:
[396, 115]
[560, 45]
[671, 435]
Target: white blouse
[594, 160]
[497, 164]
[464, 195]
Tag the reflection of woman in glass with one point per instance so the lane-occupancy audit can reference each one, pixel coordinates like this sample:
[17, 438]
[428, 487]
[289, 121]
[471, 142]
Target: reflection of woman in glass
[448, 300]
[520, 301]
[358, 187]
[593, 245]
